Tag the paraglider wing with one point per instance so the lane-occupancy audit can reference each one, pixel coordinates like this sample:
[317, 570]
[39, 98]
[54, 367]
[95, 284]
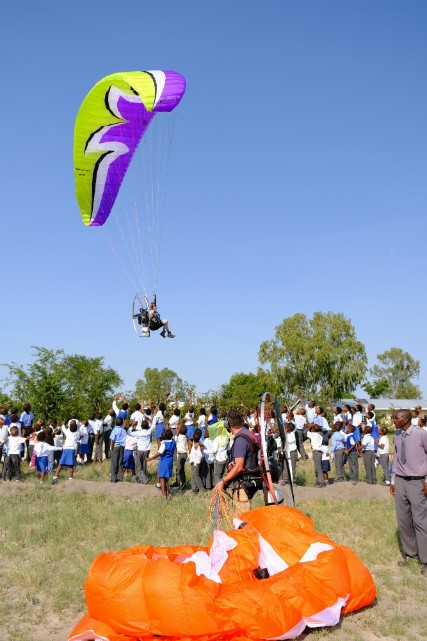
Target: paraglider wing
[110, 124]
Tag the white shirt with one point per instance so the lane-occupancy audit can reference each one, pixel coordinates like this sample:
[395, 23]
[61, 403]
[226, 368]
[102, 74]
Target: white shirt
[18, 426]
[108, 422]
[337, 418]
[159, 418]
[325, 424]
[43, 449]
[143, 438]
[201, 421]
[181, 444]
[220, 447]
[15, 443]
[71, 438]
[299, 420]
[173, 422]
[189, 419]
[316, 440]
[57, 439]
[98, 426]
[310, 412]
[208, 450]
[138, 416]
[357, 419]
[83, 433]
[414, 421]
[368, 443]
[383, 440]
[292, 443]
[196, 454]
[91, 427]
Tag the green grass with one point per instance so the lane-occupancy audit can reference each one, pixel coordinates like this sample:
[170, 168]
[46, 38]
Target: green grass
[48, 540]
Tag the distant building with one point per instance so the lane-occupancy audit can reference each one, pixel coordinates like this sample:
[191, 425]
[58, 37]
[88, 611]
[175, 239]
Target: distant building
[388, 405]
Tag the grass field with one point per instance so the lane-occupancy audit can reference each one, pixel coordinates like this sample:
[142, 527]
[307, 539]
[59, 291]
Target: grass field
[48, 539]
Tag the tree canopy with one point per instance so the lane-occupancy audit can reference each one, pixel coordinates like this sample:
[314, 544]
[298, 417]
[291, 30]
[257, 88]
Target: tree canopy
[57, 384]
[242, 388]
[156, 384]
[309, 355]
[392, 375]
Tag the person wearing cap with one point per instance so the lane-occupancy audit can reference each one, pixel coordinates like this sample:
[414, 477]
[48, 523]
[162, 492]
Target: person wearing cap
[409, 487]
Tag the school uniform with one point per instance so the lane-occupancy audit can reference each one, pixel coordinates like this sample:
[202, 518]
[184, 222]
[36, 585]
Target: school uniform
[14, 457]
[300, 423]
[167, 452]
[118, 435]
[352, 458]
[384, 457]
[293, 455]
[41, 451]
[316, 439]
[337, 450]
[84, 441]
[189, 424]
[195, 460]
[207, 465]
[68, 457]
[220, 447]
[182, 456]
[130, 447]
[368, 448]
[142, 452]
[159, 424]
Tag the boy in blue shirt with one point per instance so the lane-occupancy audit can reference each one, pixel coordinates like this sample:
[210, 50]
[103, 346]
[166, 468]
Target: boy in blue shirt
[117, 448]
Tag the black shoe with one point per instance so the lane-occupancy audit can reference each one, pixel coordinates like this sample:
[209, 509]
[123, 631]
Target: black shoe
[403, 562]
[170, 335]
[163, 333]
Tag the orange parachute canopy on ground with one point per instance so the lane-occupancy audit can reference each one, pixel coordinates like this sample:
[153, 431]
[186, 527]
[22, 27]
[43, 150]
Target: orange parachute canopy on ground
[212, 593]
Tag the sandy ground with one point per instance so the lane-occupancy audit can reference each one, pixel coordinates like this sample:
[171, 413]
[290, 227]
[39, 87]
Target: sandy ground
[334, 491]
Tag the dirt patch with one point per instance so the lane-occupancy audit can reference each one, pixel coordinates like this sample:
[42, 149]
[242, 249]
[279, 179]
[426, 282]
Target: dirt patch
[334, 491]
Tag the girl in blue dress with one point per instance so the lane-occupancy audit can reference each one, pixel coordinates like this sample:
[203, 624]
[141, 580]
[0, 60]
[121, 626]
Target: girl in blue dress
[166, 453]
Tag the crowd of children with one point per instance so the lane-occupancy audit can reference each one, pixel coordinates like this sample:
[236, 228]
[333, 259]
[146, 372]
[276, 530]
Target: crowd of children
[126, 440]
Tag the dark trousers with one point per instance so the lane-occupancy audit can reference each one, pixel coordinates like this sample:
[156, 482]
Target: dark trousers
[116, 466]
[353, 464]
[317, 459]
[107, 443]
[140, 458]
[196, 481]
[293, 464]
[181, 479]
[385, 464]
[369, 463]
[91, 442]
[219, 469]
[299, 437]
[14, 466]
[98, 448]
[206, 474]
[411, 512]
[339, 464]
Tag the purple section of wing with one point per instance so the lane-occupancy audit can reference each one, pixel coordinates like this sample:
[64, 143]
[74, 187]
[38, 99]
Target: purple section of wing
[172, 92]
[130, 133]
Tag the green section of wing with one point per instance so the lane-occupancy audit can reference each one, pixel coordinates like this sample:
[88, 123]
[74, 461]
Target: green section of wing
[93, 114]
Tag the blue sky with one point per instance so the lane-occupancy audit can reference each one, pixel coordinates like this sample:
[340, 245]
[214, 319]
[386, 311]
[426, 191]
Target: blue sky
[297, 180]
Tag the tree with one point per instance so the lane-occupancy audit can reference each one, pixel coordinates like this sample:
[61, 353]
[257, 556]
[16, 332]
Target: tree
[242, 388]
[376, 389]
[396, 368]
[156, 384]
[310, 355]
[57, 384]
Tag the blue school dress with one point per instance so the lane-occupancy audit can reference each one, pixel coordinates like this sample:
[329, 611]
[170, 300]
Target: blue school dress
[160, 428]
[190, 431]
[68, 457]
[42, 464]
[128, 460]
[166, 460]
